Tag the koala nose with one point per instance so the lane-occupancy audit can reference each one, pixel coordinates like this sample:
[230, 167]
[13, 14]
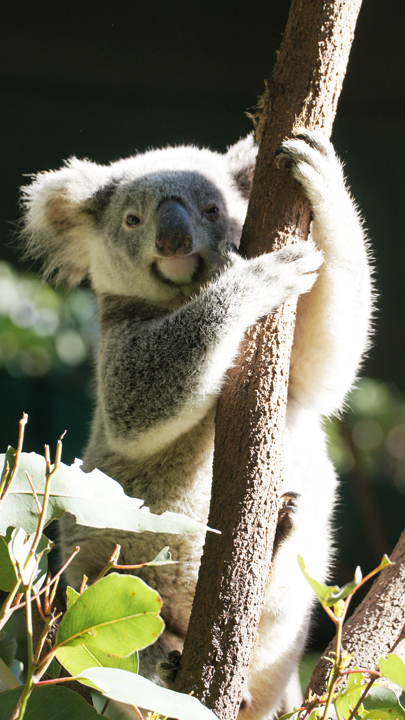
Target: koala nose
[173, 229]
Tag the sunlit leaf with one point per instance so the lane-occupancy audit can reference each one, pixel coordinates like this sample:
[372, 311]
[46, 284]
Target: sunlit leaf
[20, 547]
[163, 558]
[329, 595]
[322, 592]
[385, 561]
[349, 698]
[71, 596]
[393, 668]
[76, 659]
[117, 615]
[382, 704]
[137, 690]
[94, 498]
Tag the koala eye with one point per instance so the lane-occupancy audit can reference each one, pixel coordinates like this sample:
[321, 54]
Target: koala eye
[211, 212]
[132, 220]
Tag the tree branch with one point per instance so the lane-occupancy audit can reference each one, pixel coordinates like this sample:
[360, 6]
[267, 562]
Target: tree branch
[375, 624]
[248, 463]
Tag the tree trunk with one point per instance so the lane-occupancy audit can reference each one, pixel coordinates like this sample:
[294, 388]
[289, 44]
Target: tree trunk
[248, 463]
[375, 624]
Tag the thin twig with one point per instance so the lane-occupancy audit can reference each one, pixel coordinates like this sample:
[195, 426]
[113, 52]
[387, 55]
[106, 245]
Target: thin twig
[21, 428]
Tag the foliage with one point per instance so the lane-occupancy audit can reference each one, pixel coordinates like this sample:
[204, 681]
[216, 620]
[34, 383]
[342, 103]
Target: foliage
[364, 694]
[105, 624]
[372, 435]
[43, 329]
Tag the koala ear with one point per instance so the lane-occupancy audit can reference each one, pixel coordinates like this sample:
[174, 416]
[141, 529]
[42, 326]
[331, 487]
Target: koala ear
[59, 218]
[242, 160]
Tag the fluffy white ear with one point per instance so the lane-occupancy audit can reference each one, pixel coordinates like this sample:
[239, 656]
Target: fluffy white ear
[242, 160]
[59, 222]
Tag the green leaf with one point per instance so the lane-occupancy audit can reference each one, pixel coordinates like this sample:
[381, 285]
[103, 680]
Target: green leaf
[322, 592]
[382, 704]
[8, 647]
[7, 677]
[53, 670]
[346, 589]
[113, 711]
[95, 499]
[117, 615]
[393, 668]
[71, 596]
[48, 703]
[7, 572]
[137, 690]
[19, 548]
[77, 659]
[346, 700]
[163, 558]
[385, 561]
[328, 595]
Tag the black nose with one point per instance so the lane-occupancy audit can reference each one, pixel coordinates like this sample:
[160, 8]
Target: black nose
[173, 229]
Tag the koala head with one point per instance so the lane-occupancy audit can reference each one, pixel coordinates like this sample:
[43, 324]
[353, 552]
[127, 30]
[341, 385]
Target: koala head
[154, 225]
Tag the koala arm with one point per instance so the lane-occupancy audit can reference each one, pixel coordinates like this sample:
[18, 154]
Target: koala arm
[159, 377]
[333, 321]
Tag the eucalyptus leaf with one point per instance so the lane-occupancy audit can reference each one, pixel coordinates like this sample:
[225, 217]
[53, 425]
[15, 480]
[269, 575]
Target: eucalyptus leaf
[7, 679]
[76, 659]
[385, 561]
[8, 647]
[118, 615]
[322, 592]
[393, 668]
[7, 571]
[48, 703]
[20, 547]
[349, 698]
[71, 596]
[113, 710]
[328, 595]
[93, 498]
[137, 690]
[382, 704]
[344, 591]
[54, 669]
[163, 558]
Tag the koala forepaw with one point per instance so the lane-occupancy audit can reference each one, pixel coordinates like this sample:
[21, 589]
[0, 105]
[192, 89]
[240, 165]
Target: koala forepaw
[168, 669]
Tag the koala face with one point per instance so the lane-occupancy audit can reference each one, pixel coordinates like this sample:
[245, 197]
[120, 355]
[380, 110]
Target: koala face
[153, 226]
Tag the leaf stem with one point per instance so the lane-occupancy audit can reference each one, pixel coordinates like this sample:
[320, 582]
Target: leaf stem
[21, 706]
[6, 609]
[55, 579]
[21, 427]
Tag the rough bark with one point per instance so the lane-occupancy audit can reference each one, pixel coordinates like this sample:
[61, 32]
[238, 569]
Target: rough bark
[375, 624]
[248, 464]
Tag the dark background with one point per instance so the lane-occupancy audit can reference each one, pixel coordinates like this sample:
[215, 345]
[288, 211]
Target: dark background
[104, 79]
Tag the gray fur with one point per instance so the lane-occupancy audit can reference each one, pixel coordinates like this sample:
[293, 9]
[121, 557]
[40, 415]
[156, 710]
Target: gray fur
[156, 234]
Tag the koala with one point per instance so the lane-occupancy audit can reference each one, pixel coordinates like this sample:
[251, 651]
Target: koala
[157, 235]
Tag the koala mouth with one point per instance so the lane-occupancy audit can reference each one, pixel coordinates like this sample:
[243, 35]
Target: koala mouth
[178, 270]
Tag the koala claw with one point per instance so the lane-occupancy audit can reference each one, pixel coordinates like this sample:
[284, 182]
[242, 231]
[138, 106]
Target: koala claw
[285, 522]
[168, 669]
